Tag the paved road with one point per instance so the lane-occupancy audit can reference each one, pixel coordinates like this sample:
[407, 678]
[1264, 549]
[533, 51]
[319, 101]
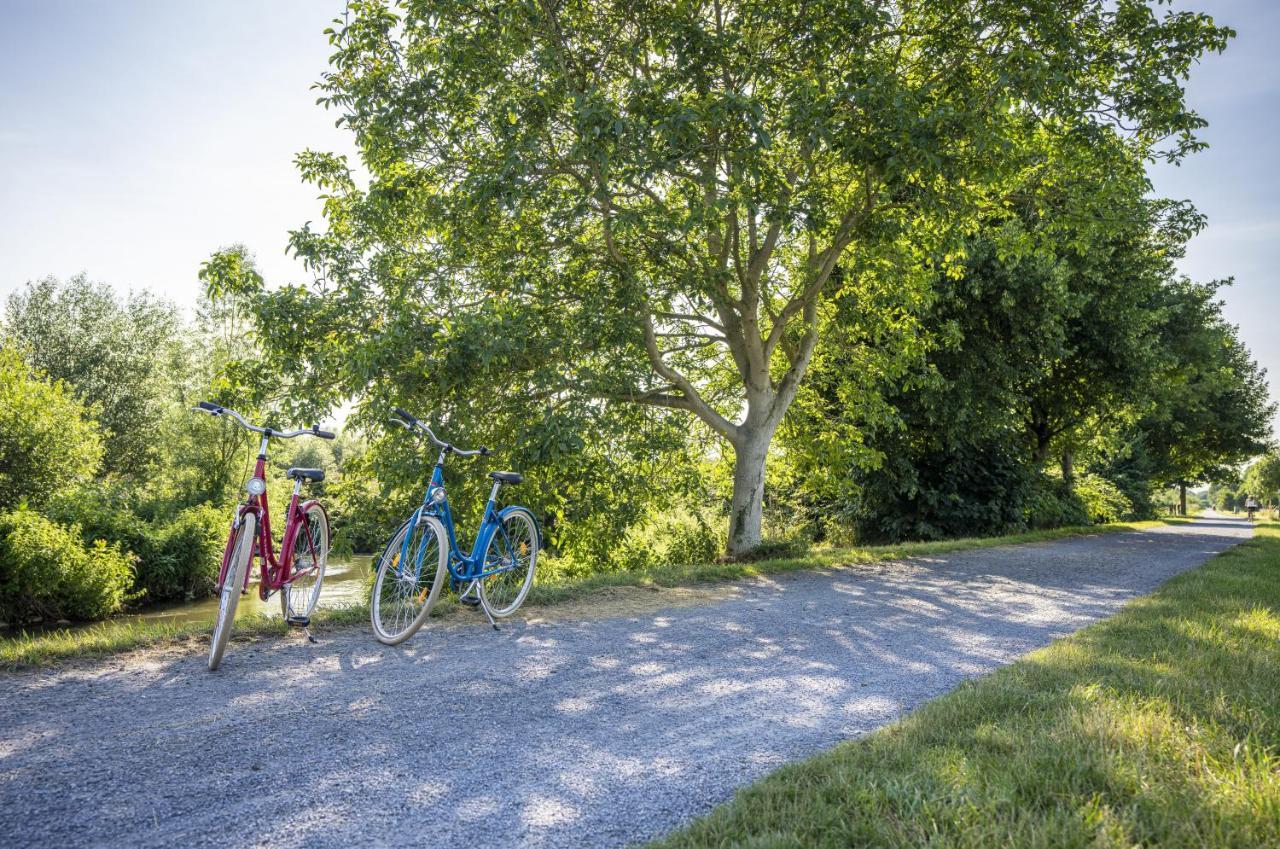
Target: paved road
[572, 733]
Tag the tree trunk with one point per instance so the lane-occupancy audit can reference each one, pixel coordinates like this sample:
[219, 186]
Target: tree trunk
[1068, 469]
[1182, 498]
[746, 508]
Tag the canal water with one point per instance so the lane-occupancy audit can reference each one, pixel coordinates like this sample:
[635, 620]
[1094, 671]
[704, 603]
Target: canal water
[344, 583]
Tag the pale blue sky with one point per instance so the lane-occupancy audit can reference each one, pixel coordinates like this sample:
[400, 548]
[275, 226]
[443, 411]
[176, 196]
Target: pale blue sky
[136, 137]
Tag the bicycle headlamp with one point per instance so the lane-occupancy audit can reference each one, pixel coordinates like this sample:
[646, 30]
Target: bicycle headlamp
[256, 486]
[437, 495]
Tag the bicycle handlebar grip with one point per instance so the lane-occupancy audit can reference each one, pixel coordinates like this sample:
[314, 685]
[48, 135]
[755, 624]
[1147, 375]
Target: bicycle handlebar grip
[205, 405]
[484, 452]
[402, 414]
[323, 434]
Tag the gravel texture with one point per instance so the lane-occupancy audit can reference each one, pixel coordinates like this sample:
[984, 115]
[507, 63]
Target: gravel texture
[571, 733]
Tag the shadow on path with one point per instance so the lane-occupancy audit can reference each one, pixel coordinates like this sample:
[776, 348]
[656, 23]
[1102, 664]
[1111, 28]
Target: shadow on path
[586, 733]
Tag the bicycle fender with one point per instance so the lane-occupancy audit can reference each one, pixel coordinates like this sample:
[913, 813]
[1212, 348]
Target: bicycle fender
[311, 502]
[516, 508]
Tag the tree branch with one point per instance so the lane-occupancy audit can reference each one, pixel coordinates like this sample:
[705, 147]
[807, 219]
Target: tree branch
[690, 394]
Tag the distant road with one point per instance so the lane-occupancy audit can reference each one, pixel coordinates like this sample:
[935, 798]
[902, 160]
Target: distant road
[571, 733]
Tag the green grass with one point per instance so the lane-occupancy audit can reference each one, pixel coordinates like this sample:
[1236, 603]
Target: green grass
[110, 637]
[114, 636]
[1157, 727]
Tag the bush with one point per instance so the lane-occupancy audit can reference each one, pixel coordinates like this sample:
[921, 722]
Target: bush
[47, 439]
[1051, 504]
[177, 557]
[1102, 500]
[969, 490]
[46, 571]
[678, 537]
[183, 556]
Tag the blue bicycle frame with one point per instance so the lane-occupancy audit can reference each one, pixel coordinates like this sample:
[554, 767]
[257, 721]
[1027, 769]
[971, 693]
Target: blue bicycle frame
[463, 568]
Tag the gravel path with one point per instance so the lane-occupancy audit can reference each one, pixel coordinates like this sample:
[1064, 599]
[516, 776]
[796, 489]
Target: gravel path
[573, 733]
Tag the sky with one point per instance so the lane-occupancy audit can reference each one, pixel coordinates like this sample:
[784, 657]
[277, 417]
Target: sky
[138, 136]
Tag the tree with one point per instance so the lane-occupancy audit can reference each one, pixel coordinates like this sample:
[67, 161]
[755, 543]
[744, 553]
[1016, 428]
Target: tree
[664, 199]
[1211, 410]
[1045, 337]
[1262, 479]
[48, 440]
[120, 356]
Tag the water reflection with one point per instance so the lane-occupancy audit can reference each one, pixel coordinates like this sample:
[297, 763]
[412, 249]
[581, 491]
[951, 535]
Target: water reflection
[344, 584]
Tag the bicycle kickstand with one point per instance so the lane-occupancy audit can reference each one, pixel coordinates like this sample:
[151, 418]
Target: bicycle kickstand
[474, 601]
[482, 606]
[303, 622]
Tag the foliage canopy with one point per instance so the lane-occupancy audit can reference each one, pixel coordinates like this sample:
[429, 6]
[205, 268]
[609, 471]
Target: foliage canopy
[576, 204]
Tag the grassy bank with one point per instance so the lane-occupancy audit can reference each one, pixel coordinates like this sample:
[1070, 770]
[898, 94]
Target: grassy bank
[121, 635]
[1157, 727]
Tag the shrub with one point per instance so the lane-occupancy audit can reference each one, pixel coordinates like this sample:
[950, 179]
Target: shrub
[177, 556]
[1102, 500]
[1051, 504]
[47, 440]
[967, 490]
[183, 556]
[47, 571]
[677, 537]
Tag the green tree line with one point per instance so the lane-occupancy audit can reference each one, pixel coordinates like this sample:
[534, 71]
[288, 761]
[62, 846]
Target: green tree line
[113, 493]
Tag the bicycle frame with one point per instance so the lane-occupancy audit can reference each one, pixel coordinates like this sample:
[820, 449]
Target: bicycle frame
[462, 567]
[275, 571]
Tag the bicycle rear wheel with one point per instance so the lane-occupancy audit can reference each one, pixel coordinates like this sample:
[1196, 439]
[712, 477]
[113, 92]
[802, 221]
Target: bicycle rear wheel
[514, 549]
[233, 582]
[310, 556]
[408, 580]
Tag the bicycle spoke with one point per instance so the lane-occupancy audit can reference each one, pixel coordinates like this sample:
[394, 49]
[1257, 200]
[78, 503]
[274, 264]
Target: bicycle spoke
[511, 555]
[405, 586]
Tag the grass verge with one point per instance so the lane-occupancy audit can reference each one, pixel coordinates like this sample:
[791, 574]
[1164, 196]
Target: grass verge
[1157, 727]
[113, 636]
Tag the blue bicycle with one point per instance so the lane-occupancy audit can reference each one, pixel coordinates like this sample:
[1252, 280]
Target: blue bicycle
[496, 575]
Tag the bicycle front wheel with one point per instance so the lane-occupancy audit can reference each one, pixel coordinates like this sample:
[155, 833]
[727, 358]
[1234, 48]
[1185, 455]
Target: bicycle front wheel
[233, 582]
[408, 580]
[513, 549]
[310, 555]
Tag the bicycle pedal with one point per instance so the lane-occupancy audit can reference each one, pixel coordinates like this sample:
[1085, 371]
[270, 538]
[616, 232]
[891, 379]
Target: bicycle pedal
[298, 621]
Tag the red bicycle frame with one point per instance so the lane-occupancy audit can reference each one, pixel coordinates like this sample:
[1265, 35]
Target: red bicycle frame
[275, 572]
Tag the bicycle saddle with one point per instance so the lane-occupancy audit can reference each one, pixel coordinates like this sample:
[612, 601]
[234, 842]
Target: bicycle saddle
[507, 477]
[308, 474]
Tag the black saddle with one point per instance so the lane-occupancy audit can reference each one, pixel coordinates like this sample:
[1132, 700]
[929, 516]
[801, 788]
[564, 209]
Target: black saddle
[507, 477]
[307, 474]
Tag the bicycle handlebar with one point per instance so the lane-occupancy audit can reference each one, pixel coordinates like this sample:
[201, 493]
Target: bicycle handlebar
[216, 410]
[409, 421]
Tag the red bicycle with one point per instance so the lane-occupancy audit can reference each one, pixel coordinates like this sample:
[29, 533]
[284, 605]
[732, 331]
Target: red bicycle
[299, 570]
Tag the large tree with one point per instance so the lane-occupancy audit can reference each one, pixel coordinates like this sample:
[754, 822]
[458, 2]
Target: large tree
[1211, 411]
[120, 355]
[663, 199]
